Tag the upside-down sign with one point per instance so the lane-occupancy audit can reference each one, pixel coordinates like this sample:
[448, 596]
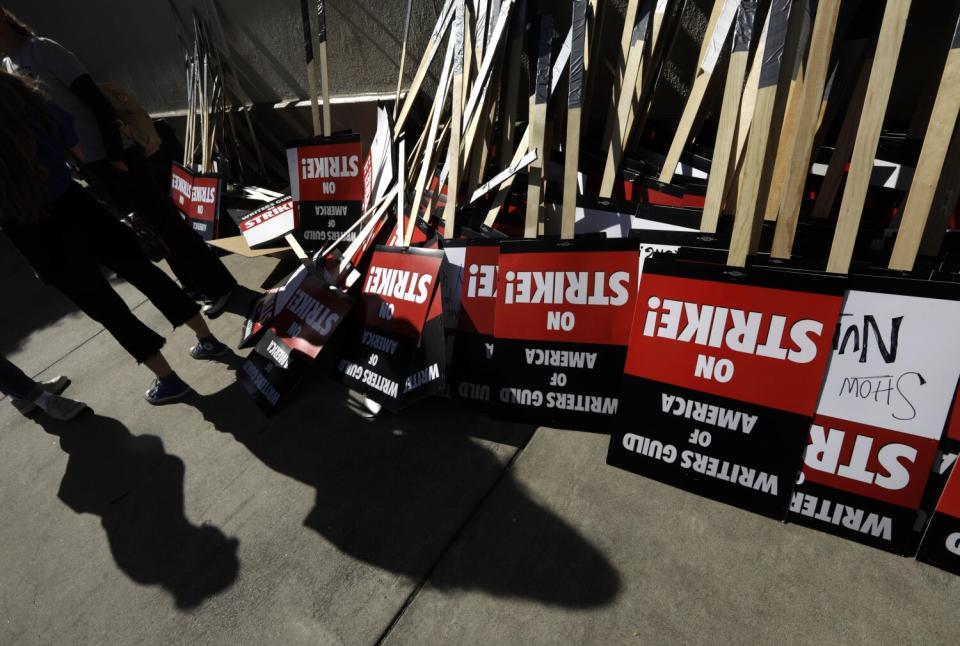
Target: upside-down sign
[883, 410]
[326, 183]
[722, 375]
[396, 353]
[562, 323]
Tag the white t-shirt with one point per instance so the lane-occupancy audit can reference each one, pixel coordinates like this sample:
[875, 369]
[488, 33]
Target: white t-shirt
[56, 68]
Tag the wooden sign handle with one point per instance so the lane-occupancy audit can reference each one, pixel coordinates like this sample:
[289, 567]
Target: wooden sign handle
[868, 135]
[943, 120]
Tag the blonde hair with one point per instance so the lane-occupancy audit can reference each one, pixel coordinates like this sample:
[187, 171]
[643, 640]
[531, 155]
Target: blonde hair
[23, 113]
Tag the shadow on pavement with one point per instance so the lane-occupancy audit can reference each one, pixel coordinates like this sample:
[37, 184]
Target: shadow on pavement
[136, 488]
[395, 491]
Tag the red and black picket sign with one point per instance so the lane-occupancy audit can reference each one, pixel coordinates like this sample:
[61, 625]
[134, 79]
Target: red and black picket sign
[310, 316]
[394, 352]
[272, 371]
[885, 404]
[722, 376]
[561, 324]
[197, 197]
[268, 223]
[327, 186]
[941, 542]
[473, 374]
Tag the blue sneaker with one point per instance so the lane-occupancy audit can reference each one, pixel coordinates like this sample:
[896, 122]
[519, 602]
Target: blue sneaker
[208, 348]
[166, 390]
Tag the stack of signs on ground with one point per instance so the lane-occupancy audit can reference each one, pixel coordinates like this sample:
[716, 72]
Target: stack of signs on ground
[562, 322]
[941, 542]
[268, 223]
[395, 355]
[473, 371]
[327, 187]
[722, 377]
[311, 312]
[197, 197]
[885, 403]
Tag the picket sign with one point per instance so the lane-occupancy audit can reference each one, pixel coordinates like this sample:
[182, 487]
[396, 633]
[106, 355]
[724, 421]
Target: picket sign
[197, 197]
[941, 542]
[724, 370]
[395, 354]
[886, 400]
[561, 325]
[469, 310]
[327, 186]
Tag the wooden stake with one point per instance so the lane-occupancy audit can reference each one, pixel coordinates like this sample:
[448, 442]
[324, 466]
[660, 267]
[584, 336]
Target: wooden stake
[746, 226]
[830, 186]
[943, 120]
[311, 65]
[821, 42]
[508, 110]
[324, 68]
[403, 59]
[709, 53]
[787, 111]
[618, 122]
[868, 135]
[944, 201]
[443, 21]
[538, 122]
[574, 111]
[729, 113]
[453, 153]
[426, 168]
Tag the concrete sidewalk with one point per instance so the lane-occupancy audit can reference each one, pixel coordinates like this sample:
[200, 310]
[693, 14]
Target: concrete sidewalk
[204, 522]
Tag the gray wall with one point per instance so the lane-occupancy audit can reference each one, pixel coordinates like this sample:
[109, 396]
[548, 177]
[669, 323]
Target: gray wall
[134, 42]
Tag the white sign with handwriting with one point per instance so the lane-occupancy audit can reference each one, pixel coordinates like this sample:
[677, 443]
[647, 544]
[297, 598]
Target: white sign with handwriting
[895, 363]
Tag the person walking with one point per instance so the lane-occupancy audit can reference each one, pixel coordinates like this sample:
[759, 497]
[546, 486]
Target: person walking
[66, 235]
[28, 395]
[123, 173]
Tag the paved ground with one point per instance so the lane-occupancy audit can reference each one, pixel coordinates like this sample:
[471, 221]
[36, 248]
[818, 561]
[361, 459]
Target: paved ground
[204, 523]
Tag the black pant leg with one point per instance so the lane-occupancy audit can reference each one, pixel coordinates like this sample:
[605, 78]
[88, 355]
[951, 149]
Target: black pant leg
[115, 246]
[13, 382]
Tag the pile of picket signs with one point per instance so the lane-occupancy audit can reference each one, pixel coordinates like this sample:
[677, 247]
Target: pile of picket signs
[560, 261]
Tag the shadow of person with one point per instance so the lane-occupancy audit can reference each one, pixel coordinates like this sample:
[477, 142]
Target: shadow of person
[136, 488]
[396, 491]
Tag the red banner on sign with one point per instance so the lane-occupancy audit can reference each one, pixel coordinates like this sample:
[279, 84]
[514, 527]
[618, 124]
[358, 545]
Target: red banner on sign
[181, 188]
[478, 293]
[329, 172]
[398, 290]
[868, 461]
[570, 297]
[753, 344]
[203, 198]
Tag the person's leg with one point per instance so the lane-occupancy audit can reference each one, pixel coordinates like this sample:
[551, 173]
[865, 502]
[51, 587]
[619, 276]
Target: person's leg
[192, 261]
[27, 394]
[13, 382]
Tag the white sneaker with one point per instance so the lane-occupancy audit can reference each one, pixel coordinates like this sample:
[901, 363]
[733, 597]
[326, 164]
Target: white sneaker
[213, 309]
[54, 386]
